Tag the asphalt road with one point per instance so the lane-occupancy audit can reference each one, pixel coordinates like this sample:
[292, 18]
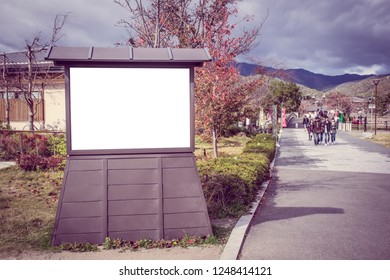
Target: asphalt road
[324, 202]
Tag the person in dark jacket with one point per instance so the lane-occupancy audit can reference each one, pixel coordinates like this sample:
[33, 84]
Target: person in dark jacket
[327, 127]
[317, 129]
[305, 122]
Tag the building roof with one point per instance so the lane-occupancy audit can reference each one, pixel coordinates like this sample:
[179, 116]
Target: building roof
[15, 62]
[20, 57]
[128, 55]
[358, 100]
[314, 108]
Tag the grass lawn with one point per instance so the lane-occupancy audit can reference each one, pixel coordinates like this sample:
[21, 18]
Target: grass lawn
[28, 201]
[382, 137]
[226, 147]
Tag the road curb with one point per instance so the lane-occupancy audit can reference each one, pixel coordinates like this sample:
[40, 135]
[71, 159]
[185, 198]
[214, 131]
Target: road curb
[236, 239]
[6, 164]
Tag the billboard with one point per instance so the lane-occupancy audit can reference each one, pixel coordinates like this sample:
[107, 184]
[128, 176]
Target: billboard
[129, 108]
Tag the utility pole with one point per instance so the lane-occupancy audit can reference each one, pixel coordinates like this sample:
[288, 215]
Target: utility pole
[376, 82]
[371, 109]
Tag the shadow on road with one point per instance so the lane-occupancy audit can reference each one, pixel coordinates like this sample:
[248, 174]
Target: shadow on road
[284, 213]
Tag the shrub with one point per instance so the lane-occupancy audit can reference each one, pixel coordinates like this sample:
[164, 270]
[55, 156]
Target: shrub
[33, 151]
[35, 143]
[261, 143]
[57, 144]
[234, 130]
[230, 184]
[13, 144]
[31, 162]
[35, 162]
[9, 145]
[55, 162]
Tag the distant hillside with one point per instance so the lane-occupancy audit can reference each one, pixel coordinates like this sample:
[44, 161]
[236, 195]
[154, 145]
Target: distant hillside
[303, 77]
[364, 88]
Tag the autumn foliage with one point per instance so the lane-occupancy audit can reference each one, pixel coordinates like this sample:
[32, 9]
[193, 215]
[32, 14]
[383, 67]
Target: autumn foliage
[220, 91]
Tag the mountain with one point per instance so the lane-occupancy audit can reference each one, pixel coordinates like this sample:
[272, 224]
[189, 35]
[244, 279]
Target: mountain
[365, 88]
[309, 79]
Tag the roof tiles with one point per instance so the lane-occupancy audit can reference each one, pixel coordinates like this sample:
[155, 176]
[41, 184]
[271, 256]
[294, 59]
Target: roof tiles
[127, 55]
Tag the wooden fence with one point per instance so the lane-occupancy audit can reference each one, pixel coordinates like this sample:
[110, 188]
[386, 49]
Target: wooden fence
[19, 110]
[380, 125]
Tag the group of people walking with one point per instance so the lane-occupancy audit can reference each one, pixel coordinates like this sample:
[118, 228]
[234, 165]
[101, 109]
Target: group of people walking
[322, 128]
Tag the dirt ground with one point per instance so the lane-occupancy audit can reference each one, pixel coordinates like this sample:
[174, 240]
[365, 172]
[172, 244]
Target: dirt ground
[205, 252]
[210, 252]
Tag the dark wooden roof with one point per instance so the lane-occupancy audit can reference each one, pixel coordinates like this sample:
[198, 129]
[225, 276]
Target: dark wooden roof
[17, 58]
[69, 55]
[15, 62]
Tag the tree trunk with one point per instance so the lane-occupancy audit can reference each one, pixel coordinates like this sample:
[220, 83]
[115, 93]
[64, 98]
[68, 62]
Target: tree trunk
[157, 30]
[30, 118]
[7, 106]
[43, 107]
[215, 143]
[28, 94]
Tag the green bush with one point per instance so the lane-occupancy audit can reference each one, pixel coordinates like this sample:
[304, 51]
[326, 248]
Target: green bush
[57, 144]
[261, 143]
[230, 184]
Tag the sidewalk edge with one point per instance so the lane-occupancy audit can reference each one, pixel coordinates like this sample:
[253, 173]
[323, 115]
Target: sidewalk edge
[234, 244]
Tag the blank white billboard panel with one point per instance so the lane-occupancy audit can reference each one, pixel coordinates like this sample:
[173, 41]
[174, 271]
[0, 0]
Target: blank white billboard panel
[130, 108]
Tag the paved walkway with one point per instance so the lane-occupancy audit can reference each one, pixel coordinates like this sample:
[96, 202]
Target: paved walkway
[324, 202]
[5, 164]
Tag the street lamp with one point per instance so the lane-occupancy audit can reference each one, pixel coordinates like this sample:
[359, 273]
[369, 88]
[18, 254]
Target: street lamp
[376, 82]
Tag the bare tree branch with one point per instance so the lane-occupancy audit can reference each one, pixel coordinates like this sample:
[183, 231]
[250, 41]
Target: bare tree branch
[28, 79]
[59, 23]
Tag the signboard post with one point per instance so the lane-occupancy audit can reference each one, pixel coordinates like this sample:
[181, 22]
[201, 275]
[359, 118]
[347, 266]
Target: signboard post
[371, 106]
[130, 172]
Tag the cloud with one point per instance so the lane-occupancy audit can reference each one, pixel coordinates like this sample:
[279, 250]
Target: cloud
[323, 36]
[363, 70]
[91, 22]
[329, 36]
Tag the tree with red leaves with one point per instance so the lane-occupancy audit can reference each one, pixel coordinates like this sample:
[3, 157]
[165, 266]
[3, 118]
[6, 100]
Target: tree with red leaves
[339, 101]
[220, 91]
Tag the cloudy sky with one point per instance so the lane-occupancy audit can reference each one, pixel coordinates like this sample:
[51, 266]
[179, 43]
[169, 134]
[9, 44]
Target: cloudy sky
[323, 36]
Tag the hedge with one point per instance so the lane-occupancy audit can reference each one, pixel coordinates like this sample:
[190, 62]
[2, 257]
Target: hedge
[230, 184]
